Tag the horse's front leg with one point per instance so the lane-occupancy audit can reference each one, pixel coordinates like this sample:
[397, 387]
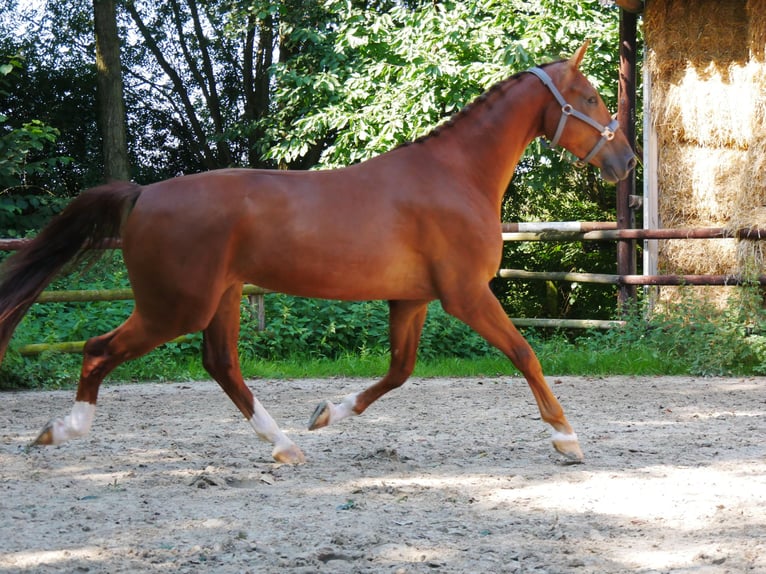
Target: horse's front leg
[406, 320]
[483, 312]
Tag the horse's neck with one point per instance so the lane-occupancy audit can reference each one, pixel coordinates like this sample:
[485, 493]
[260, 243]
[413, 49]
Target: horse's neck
[488, 141]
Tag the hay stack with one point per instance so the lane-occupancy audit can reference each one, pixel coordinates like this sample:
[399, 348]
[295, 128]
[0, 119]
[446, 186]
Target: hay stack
[707, 63]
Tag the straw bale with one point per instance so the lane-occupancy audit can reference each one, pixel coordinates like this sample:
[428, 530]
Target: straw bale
[667, 298]
[751, 256]
[697, 32]
[749, 209]
[707, 61]
[712, 106]
[698, 256]
[698, 185]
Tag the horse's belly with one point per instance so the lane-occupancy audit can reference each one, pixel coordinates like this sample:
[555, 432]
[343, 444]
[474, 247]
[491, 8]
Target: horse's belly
[344, 278]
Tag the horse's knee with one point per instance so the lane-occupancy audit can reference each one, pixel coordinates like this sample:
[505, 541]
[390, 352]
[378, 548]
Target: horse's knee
[96, 346]
[97, 351]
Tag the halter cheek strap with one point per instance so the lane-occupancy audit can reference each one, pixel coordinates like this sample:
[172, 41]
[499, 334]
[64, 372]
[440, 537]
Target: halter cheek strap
[607, 132]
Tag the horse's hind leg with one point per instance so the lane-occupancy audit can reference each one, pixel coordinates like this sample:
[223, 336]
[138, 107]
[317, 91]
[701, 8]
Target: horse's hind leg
[219, 356]
[100, 356]
[406, 320]
[483, 312]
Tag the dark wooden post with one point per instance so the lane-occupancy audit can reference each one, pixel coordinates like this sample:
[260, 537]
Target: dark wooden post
[626, 189]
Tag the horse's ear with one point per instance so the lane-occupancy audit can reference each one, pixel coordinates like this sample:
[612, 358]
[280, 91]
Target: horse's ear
[575, 60]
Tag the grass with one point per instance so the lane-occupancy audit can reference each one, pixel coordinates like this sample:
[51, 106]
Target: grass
[55, 370]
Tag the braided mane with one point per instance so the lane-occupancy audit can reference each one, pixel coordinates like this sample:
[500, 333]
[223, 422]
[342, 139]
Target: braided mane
[496, 88]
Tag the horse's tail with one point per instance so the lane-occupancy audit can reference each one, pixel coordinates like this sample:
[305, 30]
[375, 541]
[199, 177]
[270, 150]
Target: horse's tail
[92, 217]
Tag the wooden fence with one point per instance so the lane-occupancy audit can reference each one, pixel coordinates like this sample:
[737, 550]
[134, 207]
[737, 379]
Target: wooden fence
[607, 231]
[550, 231]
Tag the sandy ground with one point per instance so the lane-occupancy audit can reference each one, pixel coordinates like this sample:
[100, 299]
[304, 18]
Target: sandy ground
[440, 476]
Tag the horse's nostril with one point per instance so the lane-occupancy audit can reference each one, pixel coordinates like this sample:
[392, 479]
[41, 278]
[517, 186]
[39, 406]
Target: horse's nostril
[632, 162]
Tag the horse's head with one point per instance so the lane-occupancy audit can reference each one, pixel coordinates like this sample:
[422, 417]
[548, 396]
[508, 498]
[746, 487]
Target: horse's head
[578, 120]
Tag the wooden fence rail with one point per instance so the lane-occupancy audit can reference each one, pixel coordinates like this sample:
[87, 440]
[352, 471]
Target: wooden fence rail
[86, 295]
[605, 279]
[554, 232]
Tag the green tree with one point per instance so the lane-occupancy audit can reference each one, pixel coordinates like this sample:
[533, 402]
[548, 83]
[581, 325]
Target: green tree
[203, 67]
[24, 153]
[371, 78]
[55, 85]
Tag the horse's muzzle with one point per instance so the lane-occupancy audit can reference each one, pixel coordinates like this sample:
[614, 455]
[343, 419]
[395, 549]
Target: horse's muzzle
[614, 171]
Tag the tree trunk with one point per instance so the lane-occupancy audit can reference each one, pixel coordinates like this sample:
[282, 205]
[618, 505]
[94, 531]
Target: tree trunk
[255, 76]
[110, 103]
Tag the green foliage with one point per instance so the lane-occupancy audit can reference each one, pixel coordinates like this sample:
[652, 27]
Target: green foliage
[54, 83]
[16, 146]
[369, 78]
[25, 154]
[692, 337]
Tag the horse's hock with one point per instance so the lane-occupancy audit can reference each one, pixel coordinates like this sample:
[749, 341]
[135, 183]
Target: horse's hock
[706, 68]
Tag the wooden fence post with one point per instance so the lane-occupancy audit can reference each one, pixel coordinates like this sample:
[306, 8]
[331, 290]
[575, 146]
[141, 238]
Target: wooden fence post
[258, 305]
[626, 189]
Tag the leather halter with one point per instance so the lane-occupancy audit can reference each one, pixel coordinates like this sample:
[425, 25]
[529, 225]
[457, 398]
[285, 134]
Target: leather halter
[607, 132]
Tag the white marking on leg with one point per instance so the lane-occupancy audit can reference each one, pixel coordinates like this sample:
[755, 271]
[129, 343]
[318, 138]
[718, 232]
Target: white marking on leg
[75, 425]
[266, 427]
[342, 410]
[559, 436]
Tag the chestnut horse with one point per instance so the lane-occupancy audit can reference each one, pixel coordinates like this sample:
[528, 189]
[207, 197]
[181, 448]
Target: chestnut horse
[419, 223]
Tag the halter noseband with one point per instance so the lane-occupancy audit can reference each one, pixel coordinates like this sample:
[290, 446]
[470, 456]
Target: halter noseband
[607, 132]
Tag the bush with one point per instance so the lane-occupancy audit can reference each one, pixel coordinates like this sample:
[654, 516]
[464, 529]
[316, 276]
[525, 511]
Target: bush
[330, 329]
[695, 337]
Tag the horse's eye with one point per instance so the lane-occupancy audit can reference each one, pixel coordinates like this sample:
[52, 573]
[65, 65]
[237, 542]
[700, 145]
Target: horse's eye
[592, 100]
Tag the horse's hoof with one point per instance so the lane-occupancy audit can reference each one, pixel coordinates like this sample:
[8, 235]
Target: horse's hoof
[45, 437]
[321, 416]
[570, 449]
[289, 455]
